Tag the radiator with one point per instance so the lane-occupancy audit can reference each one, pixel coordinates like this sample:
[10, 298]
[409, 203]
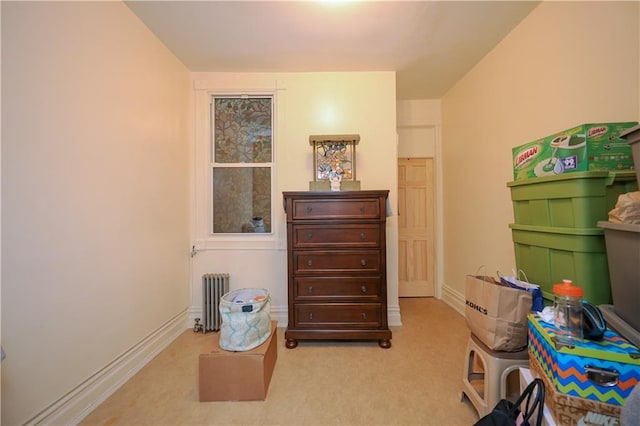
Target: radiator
[214, 286]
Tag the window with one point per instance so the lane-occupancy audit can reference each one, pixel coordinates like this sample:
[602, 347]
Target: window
[241, 163]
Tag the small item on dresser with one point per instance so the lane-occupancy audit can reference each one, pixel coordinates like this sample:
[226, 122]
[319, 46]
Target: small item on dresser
[335, 183]
[520, 412]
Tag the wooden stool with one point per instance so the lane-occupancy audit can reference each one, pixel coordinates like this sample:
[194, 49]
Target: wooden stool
[496, 368]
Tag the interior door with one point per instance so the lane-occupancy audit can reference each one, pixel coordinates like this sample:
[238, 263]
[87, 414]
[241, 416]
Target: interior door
[416, 227]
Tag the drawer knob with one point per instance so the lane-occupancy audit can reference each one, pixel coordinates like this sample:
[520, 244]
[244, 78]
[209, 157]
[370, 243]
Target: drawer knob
[309, 262]
[309, 236]
[363, 236]
[310, 289]
[310, 316]
[364, 289]
[361, 209]
[364, 315]
[309, 209]
[363, 262]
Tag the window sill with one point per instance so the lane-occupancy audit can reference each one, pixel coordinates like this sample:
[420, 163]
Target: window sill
[240, 242]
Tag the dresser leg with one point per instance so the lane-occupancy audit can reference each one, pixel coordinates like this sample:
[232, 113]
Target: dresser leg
[291, 343]
[384, 343]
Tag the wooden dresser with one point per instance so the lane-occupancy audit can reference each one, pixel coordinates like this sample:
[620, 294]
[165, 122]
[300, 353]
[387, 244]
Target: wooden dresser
[337, 279]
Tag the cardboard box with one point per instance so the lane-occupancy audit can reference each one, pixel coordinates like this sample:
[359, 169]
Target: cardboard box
[237, 376]
[587, 147]
[574, 411]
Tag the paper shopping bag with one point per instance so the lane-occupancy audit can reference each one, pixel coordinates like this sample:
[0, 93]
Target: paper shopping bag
[497, 314]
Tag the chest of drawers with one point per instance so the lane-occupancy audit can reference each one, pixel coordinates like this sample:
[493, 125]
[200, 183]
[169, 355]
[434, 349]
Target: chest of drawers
[337, 279]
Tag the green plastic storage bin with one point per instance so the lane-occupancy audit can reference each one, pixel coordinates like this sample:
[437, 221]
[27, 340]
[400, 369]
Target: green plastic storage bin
[548, 255]
[573, 200]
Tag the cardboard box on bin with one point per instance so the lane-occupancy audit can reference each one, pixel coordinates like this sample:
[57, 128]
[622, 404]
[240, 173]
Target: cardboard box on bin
[237, 376]
[587, 147]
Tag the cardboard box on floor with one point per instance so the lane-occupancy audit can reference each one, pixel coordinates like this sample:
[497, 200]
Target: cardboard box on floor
[237, 376]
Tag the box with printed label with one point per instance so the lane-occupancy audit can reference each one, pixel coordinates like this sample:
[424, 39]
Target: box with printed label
[604, 371]
[587, 147]
[574, 411]
[237, 376]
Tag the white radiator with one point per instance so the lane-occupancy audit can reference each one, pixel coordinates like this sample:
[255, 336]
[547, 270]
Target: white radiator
[214, 286]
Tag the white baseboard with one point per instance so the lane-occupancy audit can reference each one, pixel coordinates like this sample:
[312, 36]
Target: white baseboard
[393, 316]
[453, 298]
[79, 402]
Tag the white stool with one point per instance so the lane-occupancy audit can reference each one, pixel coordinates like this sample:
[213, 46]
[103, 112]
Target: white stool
[496, 368]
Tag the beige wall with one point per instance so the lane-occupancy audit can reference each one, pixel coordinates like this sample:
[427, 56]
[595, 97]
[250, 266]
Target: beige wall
[307, 104]
[419, 123]
[567, 63]
[95, 168]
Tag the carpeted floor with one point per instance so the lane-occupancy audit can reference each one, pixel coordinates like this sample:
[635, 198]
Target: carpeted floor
[415, 382]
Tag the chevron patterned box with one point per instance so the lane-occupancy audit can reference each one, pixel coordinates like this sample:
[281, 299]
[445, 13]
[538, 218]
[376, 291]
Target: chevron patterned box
[604, 371]
[574, 411]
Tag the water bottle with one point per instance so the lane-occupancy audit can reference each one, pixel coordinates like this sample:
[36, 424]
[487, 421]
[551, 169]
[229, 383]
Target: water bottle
[567, 304]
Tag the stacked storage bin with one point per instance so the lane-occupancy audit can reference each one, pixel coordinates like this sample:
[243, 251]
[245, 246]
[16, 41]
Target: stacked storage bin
[557, 236]
[555, 233]
[623, 250]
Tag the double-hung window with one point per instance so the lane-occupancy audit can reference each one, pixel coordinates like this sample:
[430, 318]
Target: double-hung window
[242, 150]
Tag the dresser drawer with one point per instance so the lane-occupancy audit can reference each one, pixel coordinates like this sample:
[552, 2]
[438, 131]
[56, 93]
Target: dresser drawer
[365, 208]
[365, 315]
[337, 288]
[335, 261]
[309, 236]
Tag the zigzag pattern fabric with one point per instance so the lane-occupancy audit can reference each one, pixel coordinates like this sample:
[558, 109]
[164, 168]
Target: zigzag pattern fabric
[566, 367]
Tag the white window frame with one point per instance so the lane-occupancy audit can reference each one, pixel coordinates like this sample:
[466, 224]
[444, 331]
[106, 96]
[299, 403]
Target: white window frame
[214, 164]
[202, 229]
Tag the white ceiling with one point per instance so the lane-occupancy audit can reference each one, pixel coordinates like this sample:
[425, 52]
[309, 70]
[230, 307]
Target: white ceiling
[430, 44]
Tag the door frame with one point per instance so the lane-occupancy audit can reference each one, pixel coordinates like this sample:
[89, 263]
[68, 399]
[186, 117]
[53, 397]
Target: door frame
[435, 152]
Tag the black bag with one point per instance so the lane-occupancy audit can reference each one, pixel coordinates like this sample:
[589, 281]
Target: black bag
[506, 412]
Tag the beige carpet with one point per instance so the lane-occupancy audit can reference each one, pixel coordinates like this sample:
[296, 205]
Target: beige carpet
[415, 382]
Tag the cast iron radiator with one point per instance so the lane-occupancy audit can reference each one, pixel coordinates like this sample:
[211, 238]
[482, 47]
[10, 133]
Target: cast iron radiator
[214, 286]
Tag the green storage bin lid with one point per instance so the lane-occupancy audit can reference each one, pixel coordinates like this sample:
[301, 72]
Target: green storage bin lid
[589, 240]
[557, 230]
[608, 177]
